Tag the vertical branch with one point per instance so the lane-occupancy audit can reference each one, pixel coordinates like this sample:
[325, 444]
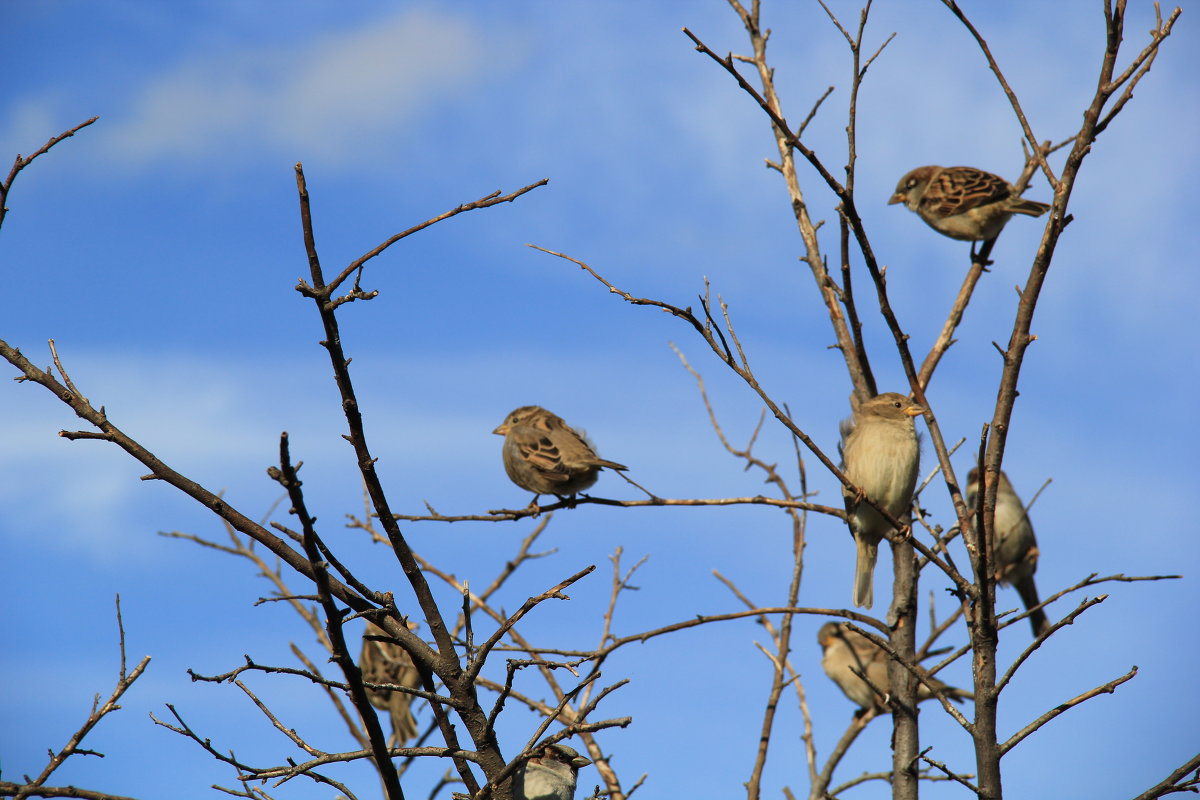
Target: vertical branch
[850, 212]
[828, 289]
[446, 664]
[981, 615]
[286, 476]
[869, 385]
[783, 641]
[902, 621]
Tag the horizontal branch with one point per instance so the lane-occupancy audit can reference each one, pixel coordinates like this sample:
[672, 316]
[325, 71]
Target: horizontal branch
[251, 666]
[9, 789]
[699, 619]
[902, 531]
[507, 514]
[702, 619]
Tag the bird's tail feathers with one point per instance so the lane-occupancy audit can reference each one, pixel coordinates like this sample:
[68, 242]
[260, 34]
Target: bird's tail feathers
[958, 695]
[864, 571]
[404, 726]
[1031, 207]
[1029, 596]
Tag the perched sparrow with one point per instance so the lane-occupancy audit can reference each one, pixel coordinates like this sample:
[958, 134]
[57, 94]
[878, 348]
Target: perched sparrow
[880, 454]
[963, 202]
[846, 649]
[1015, 549]
[385, 662]
[545, 456]
[549, 776]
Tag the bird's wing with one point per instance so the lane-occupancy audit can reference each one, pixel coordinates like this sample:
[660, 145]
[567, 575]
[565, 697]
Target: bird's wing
[577, 452]
[956, 190]
[538, 449]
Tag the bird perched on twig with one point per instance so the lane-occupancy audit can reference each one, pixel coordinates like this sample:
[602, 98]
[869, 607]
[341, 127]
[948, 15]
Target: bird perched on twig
[963, 202]
[544, 455]
[387, 662]
[846, 650]
[880, 454]
[550, 775]
[1015, 550]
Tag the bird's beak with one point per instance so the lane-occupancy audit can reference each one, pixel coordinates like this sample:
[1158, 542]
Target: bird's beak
[501, 430]
[898, 197]
[915, 411]
[580, 761]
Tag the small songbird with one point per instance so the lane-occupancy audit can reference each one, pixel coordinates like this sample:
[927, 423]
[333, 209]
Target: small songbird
[542, 454]
[386, 662]
[550, 775]
[880, 453]
[963, 202]
[846, 649]
[1015, 549]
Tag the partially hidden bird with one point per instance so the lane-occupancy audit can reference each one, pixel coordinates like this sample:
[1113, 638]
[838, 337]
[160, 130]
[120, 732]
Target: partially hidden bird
[1014, 549]
[963, 202]
[880, 456]
[387, 662]
[544, 455]
[549, 775]
[846, 650]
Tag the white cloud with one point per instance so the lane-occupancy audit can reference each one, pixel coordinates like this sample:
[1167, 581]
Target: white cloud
[340, 96]
[27, 126]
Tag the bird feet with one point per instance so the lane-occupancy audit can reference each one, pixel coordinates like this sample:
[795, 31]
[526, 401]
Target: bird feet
[569, 501]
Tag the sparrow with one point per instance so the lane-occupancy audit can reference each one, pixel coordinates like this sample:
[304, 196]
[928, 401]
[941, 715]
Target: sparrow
[846, 649]
[544, 455]
[550, 775]
[386, 662]
[880, 455]
[1014, 550]
[963, 202]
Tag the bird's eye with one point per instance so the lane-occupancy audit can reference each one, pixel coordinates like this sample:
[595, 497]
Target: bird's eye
[898, 404]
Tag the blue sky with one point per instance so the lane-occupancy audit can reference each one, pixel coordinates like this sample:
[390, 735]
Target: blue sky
[160, 248]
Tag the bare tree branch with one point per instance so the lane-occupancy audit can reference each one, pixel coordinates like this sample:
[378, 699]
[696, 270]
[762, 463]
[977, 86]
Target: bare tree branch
[20, 163]
[36, 787]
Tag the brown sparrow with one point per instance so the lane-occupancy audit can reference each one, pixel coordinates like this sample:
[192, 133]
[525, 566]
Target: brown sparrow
[963, 202]
[846, 649]
[1015, 550]
[387, 662]
[880, 454]
[550, 775]
[543, 455]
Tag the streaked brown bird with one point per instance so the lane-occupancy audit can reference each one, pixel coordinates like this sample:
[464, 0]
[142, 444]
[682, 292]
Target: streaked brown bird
[880, 455]
[1015, 549]
[543, 455]
[963, 202]
[387, 662]
[846, 649]
[550, 775]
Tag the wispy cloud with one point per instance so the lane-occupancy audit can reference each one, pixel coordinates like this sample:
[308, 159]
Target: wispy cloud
[341, 96]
